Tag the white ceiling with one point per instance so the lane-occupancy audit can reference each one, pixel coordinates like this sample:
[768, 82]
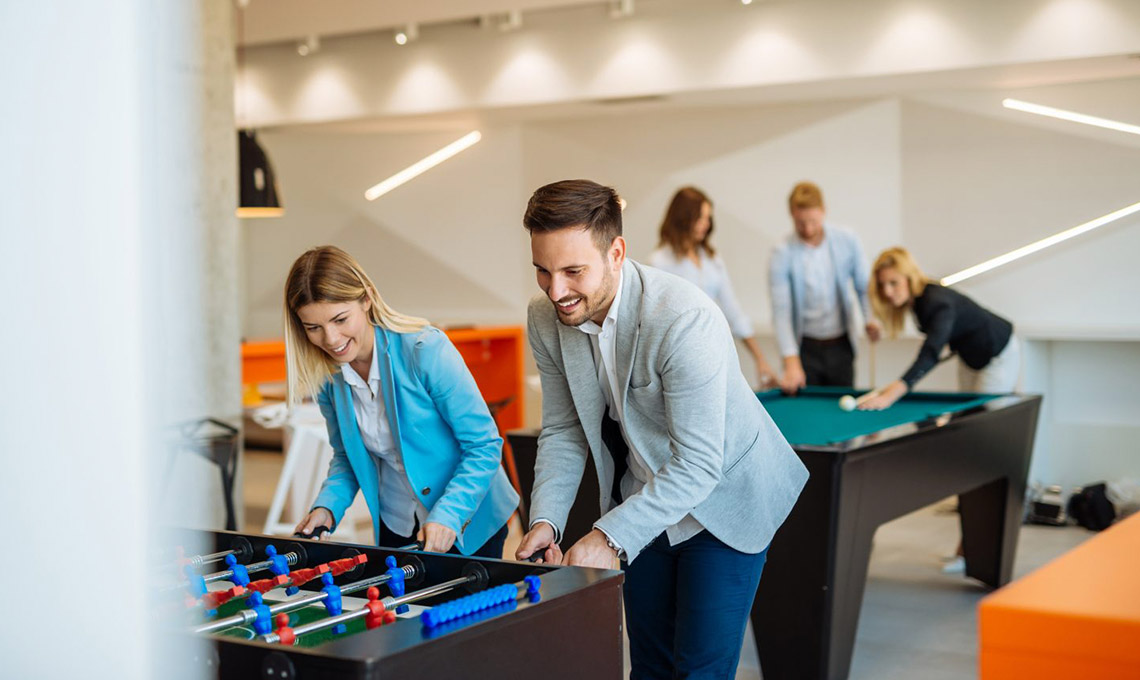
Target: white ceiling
[966, 46]
[270, 21]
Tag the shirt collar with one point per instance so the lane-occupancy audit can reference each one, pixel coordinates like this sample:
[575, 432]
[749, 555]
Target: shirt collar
[353, 378]
[610, 321]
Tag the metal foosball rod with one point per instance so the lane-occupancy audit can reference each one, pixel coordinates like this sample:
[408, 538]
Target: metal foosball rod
[388, 603]
[197, 560]
[247, 616]
[200, 560]
[290, 559]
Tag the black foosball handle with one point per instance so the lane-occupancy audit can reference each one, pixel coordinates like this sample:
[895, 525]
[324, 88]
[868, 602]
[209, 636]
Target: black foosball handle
[316, 535]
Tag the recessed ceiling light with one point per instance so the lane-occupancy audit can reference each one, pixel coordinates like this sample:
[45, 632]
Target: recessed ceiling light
[407, 34]
[310, 45]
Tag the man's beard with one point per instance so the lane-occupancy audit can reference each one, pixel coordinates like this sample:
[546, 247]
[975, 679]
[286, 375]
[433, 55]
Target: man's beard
[591, 304]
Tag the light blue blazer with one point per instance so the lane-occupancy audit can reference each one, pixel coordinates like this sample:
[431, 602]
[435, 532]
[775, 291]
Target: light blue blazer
[449, 442]
[786, 286]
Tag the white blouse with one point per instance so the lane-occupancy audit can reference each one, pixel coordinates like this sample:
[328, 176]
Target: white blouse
[400, 507]
[711, 277]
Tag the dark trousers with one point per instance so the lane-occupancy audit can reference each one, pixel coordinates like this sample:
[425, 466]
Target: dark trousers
[828, 362]
[687, 605]
[492, 548]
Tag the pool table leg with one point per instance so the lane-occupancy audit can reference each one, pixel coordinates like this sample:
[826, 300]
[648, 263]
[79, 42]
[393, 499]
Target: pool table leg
[986, 514]
[807, 608]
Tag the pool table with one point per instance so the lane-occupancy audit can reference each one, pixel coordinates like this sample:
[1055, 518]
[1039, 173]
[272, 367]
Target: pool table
[866, 468]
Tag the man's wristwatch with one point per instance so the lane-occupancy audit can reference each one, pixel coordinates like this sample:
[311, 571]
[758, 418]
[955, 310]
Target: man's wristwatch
[614, 547]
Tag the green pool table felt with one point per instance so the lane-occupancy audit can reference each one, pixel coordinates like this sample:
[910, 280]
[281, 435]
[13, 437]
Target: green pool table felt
[812, 417]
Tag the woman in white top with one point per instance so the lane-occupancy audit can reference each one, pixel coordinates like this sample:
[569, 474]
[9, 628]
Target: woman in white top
[685, 250]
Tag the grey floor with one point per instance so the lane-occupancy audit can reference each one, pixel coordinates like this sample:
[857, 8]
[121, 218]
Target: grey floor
[916, 622]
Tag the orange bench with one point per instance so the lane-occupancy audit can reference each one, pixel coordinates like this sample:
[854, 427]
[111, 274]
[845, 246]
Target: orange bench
[1076, 617]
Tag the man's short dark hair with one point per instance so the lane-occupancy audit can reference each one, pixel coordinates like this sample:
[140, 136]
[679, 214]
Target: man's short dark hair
[577, 203]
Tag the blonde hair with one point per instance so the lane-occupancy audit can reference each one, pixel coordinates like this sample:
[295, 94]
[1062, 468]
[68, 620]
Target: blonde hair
[328, 274]
[901, 261]
[805, 195]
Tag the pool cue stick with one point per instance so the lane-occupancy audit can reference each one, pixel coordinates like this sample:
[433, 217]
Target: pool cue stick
[872, 353]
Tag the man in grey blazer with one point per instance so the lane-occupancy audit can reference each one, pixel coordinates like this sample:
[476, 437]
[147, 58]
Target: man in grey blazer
[640, 376]
[818, 283]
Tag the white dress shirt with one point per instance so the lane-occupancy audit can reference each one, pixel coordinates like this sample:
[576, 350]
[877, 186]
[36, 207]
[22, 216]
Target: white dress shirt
[399, 505]
[823, 315]
[711, 276]
[602, 340]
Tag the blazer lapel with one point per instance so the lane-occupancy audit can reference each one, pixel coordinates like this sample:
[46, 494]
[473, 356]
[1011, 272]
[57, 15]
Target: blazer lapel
[797, 268]
[388, 384]
[628, 327]
[589, 402]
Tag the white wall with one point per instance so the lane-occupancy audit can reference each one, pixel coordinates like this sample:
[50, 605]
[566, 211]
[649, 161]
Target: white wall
[933, 173]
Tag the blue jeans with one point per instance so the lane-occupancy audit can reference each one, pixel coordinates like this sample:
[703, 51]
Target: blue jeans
[686, 607]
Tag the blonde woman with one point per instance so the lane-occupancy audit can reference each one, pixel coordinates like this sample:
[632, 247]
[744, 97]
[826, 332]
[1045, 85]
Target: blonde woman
[406, 422]
[987, 349]
[685, 250]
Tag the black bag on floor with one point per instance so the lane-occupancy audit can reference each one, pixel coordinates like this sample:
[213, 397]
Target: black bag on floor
[1091, 508]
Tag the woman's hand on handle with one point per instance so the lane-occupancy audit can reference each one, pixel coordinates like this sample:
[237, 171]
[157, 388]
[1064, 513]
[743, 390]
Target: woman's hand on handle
[317, 518]
[435, 537]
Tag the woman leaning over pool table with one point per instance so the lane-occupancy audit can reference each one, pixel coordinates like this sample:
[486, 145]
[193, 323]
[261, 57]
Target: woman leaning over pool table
[408, 427]
[988, 351]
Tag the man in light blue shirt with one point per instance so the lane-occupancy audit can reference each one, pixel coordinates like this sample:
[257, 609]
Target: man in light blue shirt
[811, 277]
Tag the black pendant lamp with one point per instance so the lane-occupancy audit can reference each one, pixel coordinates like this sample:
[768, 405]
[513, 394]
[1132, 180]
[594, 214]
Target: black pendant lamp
[258, 195]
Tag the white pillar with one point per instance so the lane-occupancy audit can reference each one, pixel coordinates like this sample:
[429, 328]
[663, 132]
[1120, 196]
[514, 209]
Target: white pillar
[118, 277]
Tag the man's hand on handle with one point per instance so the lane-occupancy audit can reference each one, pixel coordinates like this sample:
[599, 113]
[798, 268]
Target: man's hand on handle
[540, 539]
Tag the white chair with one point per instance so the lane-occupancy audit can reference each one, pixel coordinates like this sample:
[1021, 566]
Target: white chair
[307, 456]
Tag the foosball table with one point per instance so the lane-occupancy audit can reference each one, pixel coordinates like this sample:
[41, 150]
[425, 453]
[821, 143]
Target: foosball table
[251, 606]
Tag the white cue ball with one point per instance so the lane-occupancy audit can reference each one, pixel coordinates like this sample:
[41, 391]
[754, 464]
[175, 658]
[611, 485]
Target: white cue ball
[847, 402]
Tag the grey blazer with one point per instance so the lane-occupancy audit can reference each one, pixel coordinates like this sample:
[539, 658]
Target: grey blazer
[688, 410]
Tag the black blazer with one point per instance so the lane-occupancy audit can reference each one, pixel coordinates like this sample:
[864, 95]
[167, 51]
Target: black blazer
[947, 317]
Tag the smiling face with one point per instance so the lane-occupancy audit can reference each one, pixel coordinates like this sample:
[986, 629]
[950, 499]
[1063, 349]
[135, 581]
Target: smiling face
[340, 329]
[894, 286]
[575, 274]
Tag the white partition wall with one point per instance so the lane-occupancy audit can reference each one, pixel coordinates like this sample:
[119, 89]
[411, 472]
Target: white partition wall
[117, 235]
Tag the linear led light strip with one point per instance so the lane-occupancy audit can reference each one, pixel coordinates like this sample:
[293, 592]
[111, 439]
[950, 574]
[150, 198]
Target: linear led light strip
[1072, 116]
[423, 165]
[1021, 252]
[1039, 245]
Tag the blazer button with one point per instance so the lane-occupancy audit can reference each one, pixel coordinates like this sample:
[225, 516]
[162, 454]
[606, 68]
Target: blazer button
[426, 490]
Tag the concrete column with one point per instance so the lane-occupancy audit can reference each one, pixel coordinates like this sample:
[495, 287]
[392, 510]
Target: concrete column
[118, 241]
